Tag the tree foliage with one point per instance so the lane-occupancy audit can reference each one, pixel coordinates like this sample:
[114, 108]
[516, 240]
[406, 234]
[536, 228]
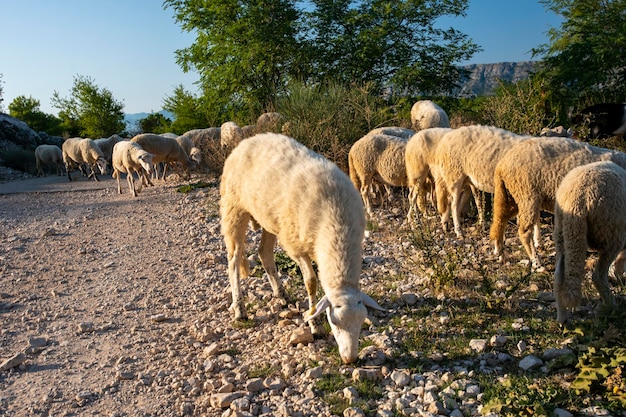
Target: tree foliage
[90, 111]
[248, 51]
[391, 43]
[244, 50]
[27, 110]
[155, 123]
[1, 94]
[584, 59]
[189, 110]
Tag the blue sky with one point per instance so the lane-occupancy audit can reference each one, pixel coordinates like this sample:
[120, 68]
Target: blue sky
[127, 46]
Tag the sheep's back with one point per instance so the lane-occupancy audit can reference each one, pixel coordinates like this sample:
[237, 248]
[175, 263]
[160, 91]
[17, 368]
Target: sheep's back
[474, 151]
[535, 168]
[274, 178]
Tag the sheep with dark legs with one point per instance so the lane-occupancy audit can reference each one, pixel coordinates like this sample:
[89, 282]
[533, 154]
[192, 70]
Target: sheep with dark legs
[311, 207]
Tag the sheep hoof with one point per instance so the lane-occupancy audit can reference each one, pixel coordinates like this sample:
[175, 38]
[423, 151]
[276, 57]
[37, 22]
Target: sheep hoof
[239, 312]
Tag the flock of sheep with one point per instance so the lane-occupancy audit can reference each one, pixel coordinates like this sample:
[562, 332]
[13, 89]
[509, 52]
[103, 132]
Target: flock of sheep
[317, 212]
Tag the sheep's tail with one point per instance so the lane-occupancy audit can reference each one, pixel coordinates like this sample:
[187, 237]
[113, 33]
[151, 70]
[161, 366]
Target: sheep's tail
[571, 253]
[353, 174]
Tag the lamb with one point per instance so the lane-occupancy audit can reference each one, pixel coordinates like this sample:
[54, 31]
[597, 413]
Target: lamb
[400, 132]
[129, 158]
[425, 114]
[468, 155]
[231, 135]
[526, 179]
[309, 204]
[588, 214]
[165, 150]
[188, 146]
[603, 120]
[48, 155]
[378, 157]
[78, 151]
[106, 145]
[419, 158]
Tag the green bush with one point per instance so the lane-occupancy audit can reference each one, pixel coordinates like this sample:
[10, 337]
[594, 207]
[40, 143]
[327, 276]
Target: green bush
[19, 159]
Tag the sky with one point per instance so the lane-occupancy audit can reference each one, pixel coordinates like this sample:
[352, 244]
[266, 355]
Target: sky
[128, 46]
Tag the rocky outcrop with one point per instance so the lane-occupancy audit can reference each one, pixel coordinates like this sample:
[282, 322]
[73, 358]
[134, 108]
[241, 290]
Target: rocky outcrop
[16, 132]
[484, 78]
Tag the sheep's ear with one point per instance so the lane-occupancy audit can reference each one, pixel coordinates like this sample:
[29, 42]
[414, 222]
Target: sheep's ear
[369, 302]
[322, 305]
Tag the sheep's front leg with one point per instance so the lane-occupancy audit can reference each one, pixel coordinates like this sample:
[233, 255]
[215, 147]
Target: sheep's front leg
[310, 282]
[266, 253]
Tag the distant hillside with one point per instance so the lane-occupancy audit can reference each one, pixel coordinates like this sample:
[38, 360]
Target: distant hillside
[484, 77]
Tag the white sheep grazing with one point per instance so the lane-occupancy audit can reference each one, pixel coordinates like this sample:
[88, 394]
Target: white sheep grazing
[526, 179]
[398, 131]
[468, 155]
[426, 114]
[419, 158]
[309, 204]
[129, 158]
[269, 122]
[165, 150]
[231, 135]
[78, 151]
[188, 146]
[378, 157]
[48, 155]
[106, 145]
[588, 214]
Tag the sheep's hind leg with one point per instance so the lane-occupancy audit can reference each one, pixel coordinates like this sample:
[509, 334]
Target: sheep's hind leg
[600, 277]
[234, 229]
[266, 253]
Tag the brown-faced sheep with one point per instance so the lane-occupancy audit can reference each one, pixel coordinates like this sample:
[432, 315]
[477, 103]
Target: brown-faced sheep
[468, 156]
[311, 207]
[130, 157]
[426, 114]
[78, 151]
[48, 155]
[526, 179]
[379, 157]
[588, 215]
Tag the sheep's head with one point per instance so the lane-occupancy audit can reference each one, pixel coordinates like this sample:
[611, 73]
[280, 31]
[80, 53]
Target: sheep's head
[346, 311]
[102, 165]
[145, 160]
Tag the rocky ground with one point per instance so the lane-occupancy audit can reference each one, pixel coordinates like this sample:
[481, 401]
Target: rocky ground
[118, 306]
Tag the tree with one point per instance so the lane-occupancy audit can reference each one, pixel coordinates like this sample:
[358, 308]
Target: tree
[90, 111]
[189, 111]
[155, 123]
[245, 50]
[27, 110]
[392, 43]
[584, 60]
